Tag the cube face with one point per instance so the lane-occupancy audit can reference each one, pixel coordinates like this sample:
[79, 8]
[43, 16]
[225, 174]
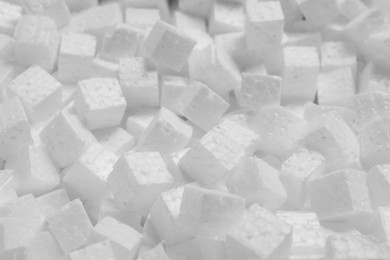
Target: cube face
[141, 17]
[39, 92]
[198, 7]
[36, 42]
[171, 88]
[71, 226]
[166, 45]
[100, 102]
[115, 139]
[319, 12]
[378, 184]
[226, 18]
[201, 105]
[336, 55]
[55, 9]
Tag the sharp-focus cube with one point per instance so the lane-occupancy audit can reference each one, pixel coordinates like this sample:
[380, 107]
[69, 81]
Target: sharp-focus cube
[14, 128]
[331, 136]
[9, 16]
[209, 213]
[140, 86]
[122, 43]
[36, 42]
[378, 181]
[75, 57]
[53, 201]
[34, 171]
[375, 142]
[57, 10]
[335, 55]
[214, 67]
[279, 130]
[335, 85]
[200, 8]
[166, 133]
[115, 139]
[137, 123]
[87, 177]
[259, 91]
[66, 139]
[259, 235]
[100, 103]
[164, 216]
[138, 178]
[308, 237]
[300, 72]
[171, 88]
[125, 241]
[341, 195]
[201, 105]
[264, 24]
[297, 170]
[39, 92]
[168, 46]
[226, 17]
[319, 12]
[257, 182]
[71, 226]
[218, 152]
[100, 250]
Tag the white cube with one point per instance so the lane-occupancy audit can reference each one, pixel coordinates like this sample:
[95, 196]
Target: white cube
[43, 246]
[299, 75]
[36, 42]
[166, 133]
[319, 12]
[187, 22]
[66, 139]
[53, 201]
[9, 15]
[218, 152]
[142, 18]
[57, 10]
[226, 17]
[87, 177]
[171, 88]
[156, 252]
[14, 128]
[378, 185]
[259, 91]
[138, 178]
[259, 234]
[257, 182]
[336, 55]
[44, 100]
[137, 123]
[200, 8]
[71, 226]
[75, 57]
[168, 46]
[76, 5]
[115, 139]
[100, 103]
[201, 105]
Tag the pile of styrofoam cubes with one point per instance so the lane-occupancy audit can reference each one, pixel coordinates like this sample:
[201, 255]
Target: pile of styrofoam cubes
[194, 129]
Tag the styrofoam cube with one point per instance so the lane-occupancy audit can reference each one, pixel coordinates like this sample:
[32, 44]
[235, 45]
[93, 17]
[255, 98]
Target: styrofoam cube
[34, 171]
[209, 213]
[214, 67]
[139, 86]
[100, 103]
[39, 92]
[198, 248]
[336, 55]
[164, 216]
[57, 10]
[71, 226]
[53, 201]
[187, 22]
[142, 18]
[264, 24]
[259, 234]
[374, 142]
[76, 54]
[36, 42]
[115, 139]
[308, 237]
[201, 105]
[171, 88]
[122, 43]
[218, 152]
[319, 12]
[100, 250]
[87, 177]
[313, 39]
[279, 130]
[291, 12]
[166, 133]
[331, 136]
[200, 8]
[226, 17]
[257, 182]
[163, 6]
[297, 171]
[9, 15]
[157, 252]
[76, 5]
[138, 178]
[378, 181]
[341, 195]
[125, 241]
[168, 46]
[258, 91]
[137, 123]
[103, 68]
[14, 128]
[66, 139]
[43, 246]
[300, 72]
[335, 85]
